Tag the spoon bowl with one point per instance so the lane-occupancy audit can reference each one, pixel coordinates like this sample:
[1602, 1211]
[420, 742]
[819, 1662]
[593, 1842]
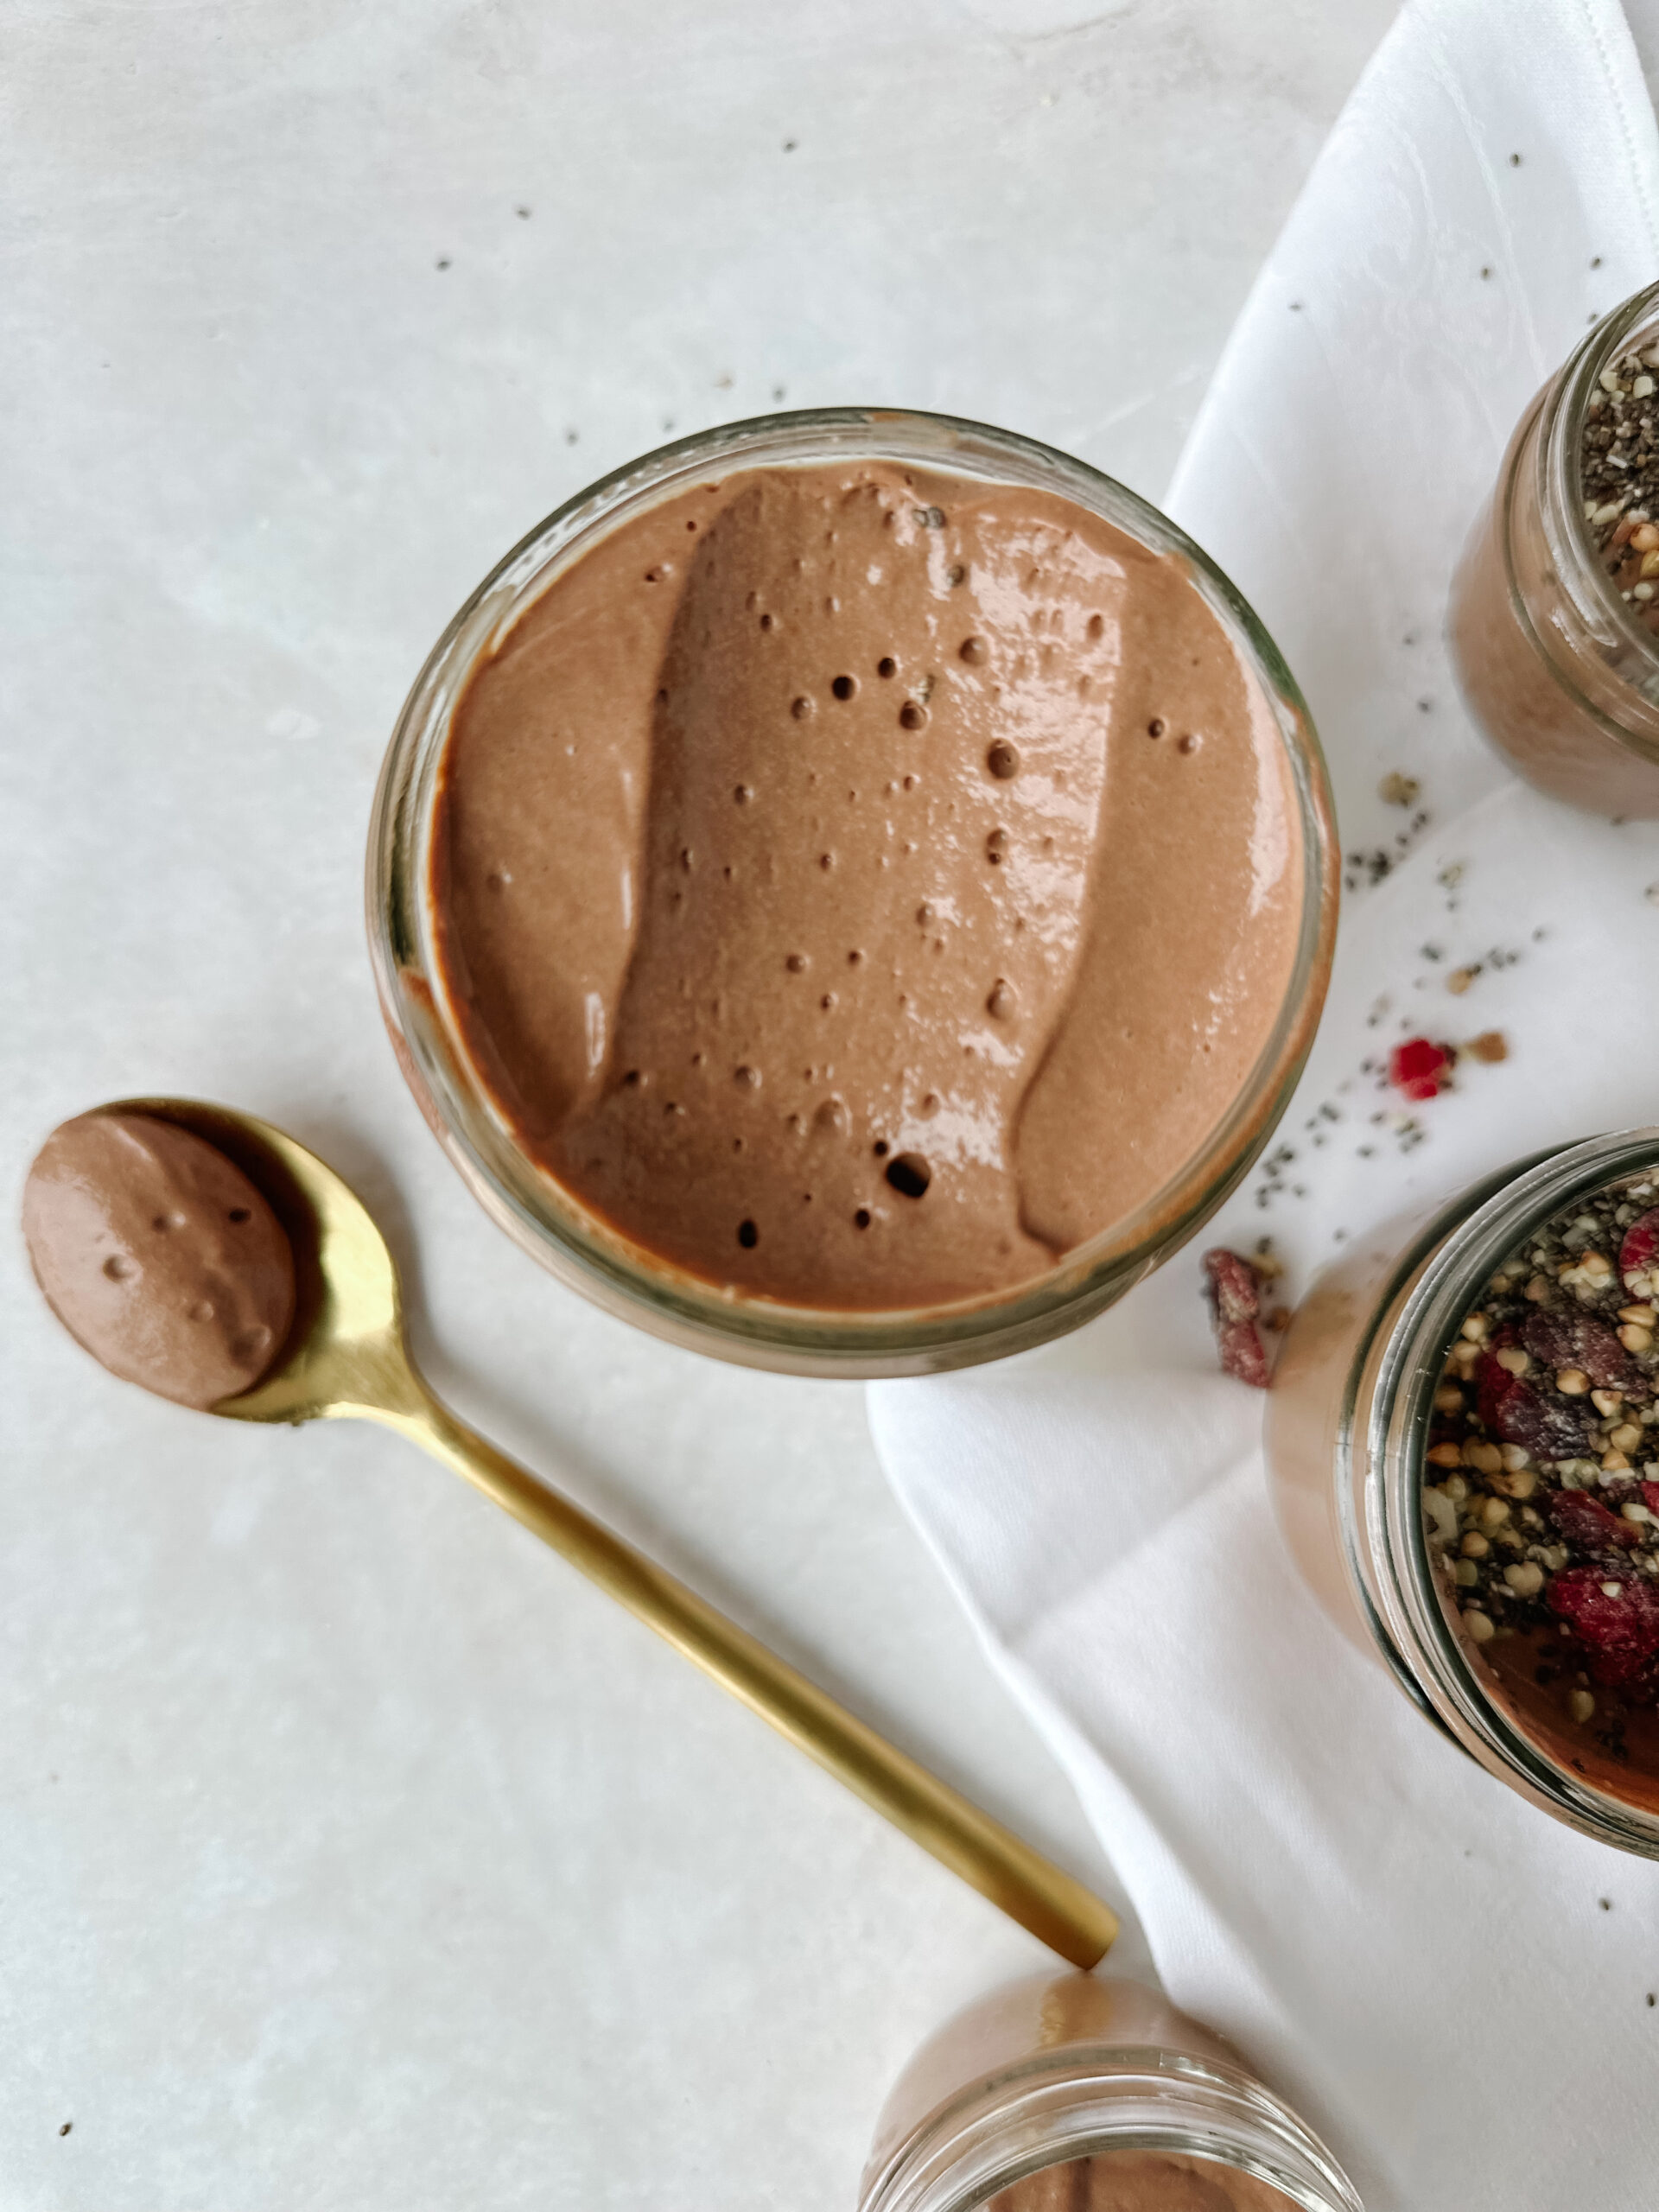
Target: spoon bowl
[345, 1354]
[346, 1357]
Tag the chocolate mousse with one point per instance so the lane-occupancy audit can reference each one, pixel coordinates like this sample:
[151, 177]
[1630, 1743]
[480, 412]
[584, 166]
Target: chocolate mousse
[1141, 2180]
[861, 888]
[1541, 1489]
[159, 1255]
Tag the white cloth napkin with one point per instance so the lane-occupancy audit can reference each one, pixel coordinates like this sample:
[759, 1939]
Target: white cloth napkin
[1453, 1986]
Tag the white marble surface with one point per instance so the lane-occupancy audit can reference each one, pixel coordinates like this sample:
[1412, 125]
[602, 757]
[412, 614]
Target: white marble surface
[352, 1853]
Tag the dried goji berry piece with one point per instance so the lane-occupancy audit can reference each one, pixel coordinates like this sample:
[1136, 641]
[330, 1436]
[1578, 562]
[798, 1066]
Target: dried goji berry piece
[1579, 1340]
[1618, 1616]
[1550, 1428]
[1420, 1067]
[1586, 1523]
[1492, 1385]
[1639, 1252]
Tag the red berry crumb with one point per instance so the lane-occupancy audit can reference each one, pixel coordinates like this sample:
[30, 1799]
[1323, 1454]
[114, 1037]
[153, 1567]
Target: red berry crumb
[1617, 1616]
[1551, 1427]
[1236, 1302]
[1586, 1523]
[1639, 1251]
[1420, 1067]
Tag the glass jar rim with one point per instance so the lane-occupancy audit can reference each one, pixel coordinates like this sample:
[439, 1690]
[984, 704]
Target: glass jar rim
[527, 1202]
[1087, 2098]
[1456, 1254]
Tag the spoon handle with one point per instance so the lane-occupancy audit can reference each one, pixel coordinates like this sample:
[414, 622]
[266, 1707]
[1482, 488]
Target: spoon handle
[1029, 1888]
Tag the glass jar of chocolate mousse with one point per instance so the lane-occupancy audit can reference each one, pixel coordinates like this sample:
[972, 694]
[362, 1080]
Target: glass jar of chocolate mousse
[1061, 2093]
[1554, 622]
[1463, 1445]
[852, 892]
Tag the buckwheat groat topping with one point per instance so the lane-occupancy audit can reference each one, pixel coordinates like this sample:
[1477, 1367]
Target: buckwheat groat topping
[1542, 1482]
[1620, 475]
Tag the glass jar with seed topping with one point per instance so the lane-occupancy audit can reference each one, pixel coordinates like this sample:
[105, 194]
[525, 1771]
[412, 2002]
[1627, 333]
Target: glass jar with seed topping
[1081, 2090]
[1553, 621]
[1463, 1446]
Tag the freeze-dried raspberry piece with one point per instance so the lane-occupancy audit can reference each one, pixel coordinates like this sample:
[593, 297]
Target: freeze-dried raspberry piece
[1617, 1615]
[1420, 1067]
[1579, 1340]
[1235, 1301]
[1586, 1523]
[1639, 1253]
[1243, 1354]
[1234, 1285]
[1551, 1428]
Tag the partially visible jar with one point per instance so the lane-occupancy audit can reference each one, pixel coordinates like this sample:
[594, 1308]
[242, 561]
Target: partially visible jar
[1557, 666]
[1348, 1425]
[1009, 2104]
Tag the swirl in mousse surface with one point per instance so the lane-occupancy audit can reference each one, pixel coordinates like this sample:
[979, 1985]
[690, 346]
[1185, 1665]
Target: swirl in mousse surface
[860, 887]
[158, 1255]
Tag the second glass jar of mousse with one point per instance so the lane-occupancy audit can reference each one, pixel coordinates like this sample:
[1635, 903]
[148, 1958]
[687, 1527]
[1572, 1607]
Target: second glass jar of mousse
[852, 892]
[1085, 2093]
[1555, 616]
[1463, 1443]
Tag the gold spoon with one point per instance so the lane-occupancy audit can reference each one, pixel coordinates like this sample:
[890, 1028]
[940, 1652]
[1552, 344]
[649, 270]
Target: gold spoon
[346, 1359]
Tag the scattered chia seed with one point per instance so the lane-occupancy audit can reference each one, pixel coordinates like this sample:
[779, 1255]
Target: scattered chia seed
[1273, 1184]
[1363, 870]
[1367, 869]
